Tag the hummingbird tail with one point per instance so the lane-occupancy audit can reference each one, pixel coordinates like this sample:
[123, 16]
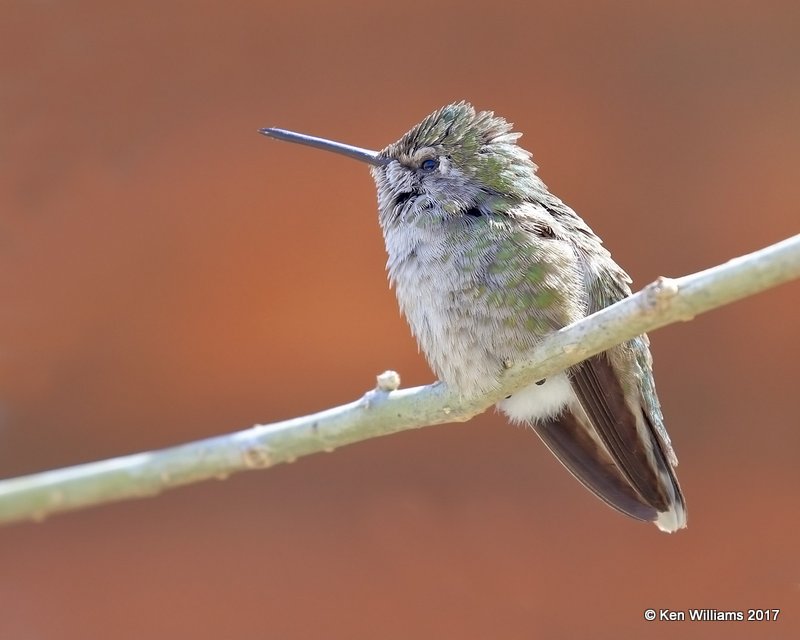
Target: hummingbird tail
[606, 438]
[620, 420]
[674, 519]
[570, 438]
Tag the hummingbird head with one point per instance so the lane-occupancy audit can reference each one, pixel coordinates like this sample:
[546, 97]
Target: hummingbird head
[455, 162]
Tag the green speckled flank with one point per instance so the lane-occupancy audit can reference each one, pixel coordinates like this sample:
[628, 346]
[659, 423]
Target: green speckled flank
[530, 299]
[497, 298]
[507, 253]
[547, 298]
[535, 274]
[537, 325]
[496, 268]
[477, 291]
[518, 300]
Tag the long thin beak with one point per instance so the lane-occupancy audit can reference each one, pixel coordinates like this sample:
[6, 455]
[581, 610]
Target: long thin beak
[365, 155]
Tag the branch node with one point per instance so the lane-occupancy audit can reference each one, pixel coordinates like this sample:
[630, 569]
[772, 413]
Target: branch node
[257, 457]
[659, 295]
[388, 381]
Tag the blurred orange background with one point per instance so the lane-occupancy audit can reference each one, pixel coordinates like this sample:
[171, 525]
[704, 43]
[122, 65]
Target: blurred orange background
[167, 274]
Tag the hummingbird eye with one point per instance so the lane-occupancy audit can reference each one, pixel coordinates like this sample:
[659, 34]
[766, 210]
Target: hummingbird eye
[431, 164]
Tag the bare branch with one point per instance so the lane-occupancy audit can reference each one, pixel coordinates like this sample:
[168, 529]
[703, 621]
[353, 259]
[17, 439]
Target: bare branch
[386, 410]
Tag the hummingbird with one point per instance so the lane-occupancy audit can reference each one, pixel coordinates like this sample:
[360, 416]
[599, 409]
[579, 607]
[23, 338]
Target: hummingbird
[485, 262]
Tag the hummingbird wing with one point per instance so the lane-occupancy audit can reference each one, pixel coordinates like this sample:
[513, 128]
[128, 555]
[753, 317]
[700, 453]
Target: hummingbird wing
[617, 392]
[619, 411]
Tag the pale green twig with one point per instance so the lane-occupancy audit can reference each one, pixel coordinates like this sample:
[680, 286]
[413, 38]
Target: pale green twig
[386, 410]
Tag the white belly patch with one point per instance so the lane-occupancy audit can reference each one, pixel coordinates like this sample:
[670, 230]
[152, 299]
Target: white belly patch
[541, 401]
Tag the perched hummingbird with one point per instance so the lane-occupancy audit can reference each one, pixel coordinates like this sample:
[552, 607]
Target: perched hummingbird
[485, 261]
